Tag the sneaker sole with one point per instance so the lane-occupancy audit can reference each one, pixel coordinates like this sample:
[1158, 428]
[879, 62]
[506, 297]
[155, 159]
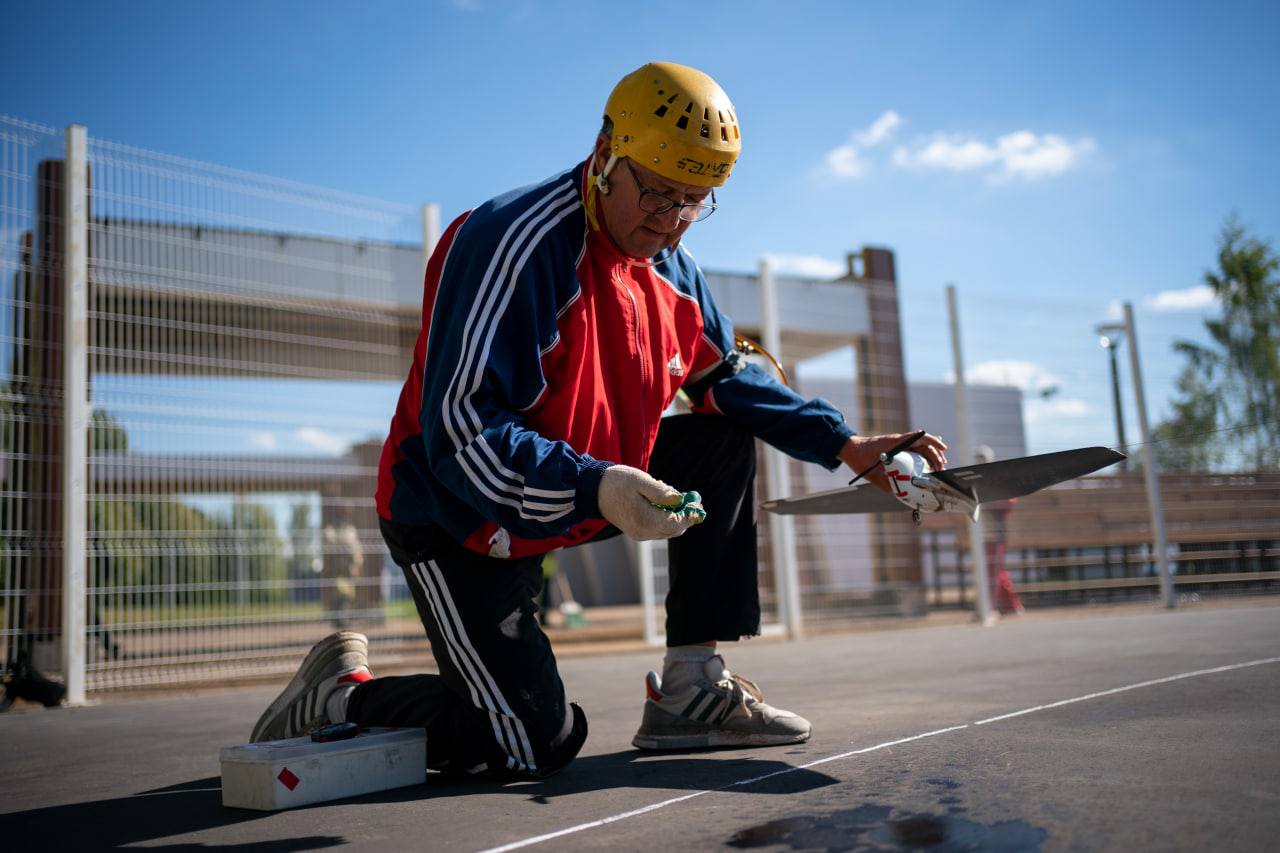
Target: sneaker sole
[321, 655]
[723, 739]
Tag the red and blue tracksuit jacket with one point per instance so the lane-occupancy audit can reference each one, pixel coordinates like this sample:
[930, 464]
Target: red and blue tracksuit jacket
[545, 356]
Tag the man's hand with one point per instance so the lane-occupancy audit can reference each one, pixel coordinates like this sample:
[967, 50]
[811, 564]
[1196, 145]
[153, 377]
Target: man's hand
[627, 498]
[861, 452]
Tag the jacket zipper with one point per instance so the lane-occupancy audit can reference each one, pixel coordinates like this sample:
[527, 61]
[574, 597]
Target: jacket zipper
[641, 350]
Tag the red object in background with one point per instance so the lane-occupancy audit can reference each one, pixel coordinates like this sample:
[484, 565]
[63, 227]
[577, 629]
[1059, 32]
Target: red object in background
[1004, 597]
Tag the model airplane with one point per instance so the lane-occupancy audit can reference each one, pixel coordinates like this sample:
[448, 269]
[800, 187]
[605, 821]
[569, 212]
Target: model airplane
[918, 488]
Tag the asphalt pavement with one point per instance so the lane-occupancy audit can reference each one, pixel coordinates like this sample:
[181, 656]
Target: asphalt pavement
[1151, 730]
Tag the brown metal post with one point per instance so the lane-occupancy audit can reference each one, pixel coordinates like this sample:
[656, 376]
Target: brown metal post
[43, 419]
[883, 382]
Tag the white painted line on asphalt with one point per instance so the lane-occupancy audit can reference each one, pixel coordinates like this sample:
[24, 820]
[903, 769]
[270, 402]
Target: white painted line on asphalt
[538, 839]
[1178, 677]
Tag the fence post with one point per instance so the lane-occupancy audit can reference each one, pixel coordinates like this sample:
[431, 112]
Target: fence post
[644, 557]
[430, 230]
[977, 541]
[75, 422]
[1149, 473]
[782, 531]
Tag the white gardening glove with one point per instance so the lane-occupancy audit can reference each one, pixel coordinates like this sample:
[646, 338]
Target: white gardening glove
[627, 498]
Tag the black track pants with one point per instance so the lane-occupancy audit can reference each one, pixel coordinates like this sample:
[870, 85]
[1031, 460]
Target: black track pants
[713, 593]
[498, 699]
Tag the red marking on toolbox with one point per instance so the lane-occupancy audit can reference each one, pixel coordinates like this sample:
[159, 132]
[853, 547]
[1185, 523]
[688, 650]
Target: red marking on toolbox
[287, 779]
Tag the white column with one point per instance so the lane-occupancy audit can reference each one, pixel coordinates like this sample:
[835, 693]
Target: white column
[977, 537]
[75, 424]
[648, 595]
[1149, 473]
[430, 230]
[782, 530]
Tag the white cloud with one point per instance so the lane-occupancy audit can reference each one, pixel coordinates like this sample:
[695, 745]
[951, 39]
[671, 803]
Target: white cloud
[1027, 155]
[846, 161]
[1188, 299]
[320, 440]
[809, 266]
[1021, 154]
[880, 130]
[262, 440]
[946, 152]
[1037, 410]
[1023, 375]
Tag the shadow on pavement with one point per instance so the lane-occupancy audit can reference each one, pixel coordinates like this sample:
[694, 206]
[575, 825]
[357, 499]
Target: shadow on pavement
[159, 813]
[197, 805]
[631, 769]
[681, 771]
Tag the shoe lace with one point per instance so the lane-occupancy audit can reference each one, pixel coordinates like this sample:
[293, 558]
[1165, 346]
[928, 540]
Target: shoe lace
[750, 687]
[741, 689]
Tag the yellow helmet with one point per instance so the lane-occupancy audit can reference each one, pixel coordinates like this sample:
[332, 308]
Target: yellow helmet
[676, 121]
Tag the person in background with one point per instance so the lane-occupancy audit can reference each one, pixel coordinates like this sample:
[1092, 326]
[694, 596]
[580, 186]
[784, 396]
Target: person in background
[996, 517]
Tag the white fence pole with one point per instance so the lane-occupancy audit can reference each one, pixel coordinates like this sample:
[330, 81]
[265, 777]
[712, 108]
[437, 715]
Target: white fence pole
[430, 230]
[977, 537]
[782, 530]
[1149, 473]
[648, 597]
[75, 424]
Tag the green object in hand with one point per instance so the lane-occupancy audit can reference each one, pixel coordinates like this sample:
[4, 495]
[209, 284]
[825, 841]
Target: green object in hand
[690, 506]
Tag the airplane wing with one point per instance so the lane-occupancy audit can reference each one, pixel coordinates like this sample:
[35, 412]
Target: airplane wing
[993, 481]
[1013, 478]
[864, 497]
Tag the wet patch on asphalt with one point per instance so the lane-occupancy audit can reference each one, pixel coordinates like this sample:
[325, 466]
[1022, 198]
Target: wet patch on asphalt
[875, 827]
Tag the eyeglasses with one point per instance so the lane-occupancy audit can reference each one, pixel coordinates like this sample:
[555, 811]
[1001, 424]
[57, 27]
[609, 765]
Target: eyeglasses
[652, 201]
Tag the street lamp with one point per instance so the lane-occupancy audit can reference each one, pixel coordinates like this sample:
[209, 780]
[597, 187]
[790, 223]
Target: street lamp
[1109, 337]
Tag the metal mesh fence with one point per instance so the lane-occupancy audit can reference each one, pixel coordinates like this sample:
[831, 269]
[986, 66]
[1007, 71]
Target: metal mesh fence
[1085, 541]
[247, 340]
[30, 265]
[246, 343]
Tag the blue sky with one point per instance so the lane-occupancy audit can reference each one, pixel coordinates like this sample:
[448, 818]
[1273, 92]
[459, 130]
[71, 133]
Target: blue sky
[1051, 159]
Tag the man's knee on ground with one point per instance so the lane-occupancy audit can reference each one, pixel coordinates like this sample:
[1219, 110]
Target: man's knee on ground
[555, 753]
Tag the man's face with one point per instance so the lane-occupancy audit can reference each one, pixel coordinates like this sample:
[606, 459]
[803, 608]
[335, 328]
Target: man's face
[637, 233]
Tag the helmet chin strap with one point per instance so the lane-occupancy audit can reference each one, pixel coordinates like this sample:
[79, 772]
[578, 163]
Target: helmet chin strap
[597, 184]
[602, 179]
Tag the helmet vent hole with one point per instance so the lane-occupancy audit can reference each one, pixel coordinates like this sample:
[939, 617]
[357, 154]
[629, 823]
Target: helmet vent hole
[682, 122]
[689, 107]
[705, 133]
[672, 99]
[724, 134]
[660, 111]
[706, 113]
[721, 115]
[736, 135]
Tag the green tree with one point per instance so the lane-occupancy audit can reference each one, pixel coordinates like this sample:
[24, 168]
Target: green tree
[258, 552]
[1228, 403]
[304, 545]
[105, 433]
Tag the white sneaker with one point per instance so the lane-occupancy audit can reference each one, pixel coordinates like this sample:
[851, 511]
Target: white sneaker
[719, 709]
[338, 659]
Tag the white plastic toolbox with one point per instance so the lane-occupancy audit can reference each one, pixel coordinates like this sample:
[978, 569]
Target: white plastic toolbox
[281, 774]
